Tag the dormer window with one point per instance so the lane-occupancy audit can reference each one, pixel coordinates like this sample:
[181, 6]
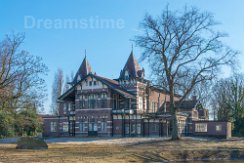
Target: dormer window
[126, 75]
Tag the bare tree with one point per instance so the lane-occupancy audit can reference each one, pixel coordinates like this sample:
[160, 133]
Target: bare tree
[72, 76]
[9, 61]
[66, 84]
[203, 92]
[57, 90]
[183, 50]
[228, 98]
[21, 75]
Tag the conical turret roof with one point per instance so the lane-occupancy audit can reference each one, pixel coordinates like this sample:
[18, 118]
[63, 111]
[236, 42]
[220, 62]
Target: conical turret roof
[84, 70]
[132, 67]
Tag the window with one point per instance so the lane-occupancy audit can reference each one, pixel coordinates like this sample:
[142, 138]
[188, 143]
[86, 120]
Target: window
[69, 106]
[127, 129]
[218, 127]
[138, 128]
[155, 127]
[127, 103]
[90, 83]
[94, 82]
[53, 126]
[91, 101]
[65, 108]
[145, 99]
[155, 107]
[201, 127]
[126, 75]
[140, 105]
[103, 103]
[92, 125]
[133, 129]
[103, 125]
[82, 101]
[82, 126]
[65, 127]
[103, 100]
[114, 101]
[104, 95]
[151, 107]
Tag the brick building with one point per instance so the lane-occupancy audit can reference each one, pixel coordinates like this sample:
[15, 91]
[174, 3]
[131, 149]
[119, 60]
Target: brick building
[126, 106]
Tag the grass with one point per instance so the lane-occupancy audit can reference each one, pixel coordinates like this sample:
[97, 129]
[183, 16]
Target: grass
[147, 151]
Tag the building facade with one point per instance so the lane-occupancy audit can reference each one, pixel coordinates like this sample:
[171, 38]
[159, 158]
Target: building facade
[128, 106]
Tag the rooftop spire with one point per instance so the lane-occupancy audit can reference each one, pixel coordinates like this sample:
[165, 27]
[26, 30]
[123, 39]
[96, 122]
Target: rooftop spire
[84, 69]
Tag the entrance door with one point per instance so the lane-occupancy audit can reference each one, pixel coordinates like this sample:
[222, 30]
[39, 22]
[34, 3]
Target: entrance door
[71, 128]
[164, 128]
[92, 128]
[161, 129]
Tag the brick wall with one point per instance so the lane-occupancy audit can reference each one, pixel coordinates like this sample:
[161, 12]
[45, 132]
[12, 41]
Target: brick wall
[59, 121]
[214, 129]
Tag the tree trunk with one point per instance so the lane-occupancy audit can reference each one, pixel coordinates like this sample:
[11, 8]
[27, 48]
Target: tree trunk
[175, 135]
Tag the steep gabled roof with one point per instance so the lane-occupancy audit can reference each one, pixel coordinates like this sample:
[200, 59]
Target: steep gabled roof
[112, 84]
[84, 70]
[187, 105]
[132, 67]
[69, 94]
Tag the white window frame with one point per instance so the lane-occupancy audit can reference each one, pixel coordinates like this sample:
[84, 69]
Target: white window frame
[201, 127]
[53, 126]
[145, 99]
[82, 126]
[140, 103]
[65, 127]
[138, 128]
[104, 126]
[218, 127]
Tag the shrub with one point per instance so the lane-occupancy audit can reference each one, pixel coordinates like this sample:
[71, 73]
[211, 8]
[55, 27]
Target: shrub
[6, 124]
[28, 123]
[31, 143]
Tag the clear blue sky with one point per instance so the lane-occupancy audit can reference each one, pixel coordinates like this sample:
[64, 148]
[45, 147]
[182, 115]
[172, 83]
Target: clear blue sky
[107, 49]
